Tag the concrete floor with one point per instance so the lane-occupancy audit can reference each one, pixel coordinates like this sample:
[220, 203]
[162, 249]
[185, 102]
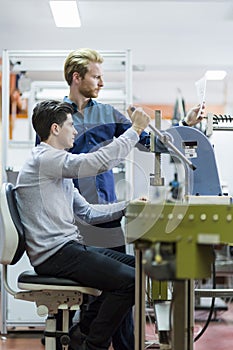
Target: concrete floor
[218, 336]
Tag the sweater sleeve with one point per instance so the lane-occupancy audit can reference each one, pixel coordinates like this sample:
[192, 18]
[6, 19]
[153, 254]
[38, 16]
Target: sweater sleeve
[57, 163]
[96, 213]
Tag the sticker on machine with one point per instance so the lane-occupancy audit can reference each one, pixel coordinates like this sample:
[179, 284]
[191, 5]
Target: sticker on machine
[208, 238]
[190, 149]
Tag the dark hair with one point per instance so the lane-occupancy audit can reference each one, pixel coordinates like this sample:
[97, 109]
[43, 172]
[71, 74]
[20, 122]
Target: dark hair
[48, 112]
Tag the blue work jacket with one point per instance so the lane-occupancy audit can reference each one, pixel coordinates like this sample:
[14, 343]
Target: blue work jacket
[97, 126]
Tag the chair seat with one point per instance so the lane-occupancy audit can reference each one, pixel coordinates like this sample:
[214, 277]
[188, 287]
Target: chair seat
[29, 280]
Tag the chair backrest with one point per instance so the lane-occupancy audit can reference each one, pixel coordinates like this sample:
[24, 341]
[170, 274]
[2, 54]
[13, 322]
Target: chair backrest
[12, 239]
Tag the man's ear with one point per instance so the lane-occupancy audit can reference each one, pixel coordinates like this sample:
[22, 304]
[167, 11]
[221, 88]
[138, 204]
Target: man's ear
[76, 76]
[55, 129]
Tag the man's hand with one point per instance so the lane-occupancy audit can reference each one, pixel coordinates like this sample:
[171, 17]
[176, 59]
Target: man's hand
[191, 117]
[140, 120]
[142, 199]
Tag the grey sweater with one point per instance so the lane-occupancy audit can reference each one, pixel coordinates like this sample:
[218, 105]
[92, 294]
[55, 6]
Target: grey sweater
[48, 202]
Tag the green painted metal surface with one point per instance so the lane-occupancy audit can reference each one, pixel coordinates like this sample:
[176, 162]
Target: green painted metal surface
[193, 229]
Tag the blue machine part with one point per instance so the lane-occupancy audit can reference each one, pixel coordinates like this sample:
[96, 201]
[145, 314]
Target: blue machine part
[195, 146]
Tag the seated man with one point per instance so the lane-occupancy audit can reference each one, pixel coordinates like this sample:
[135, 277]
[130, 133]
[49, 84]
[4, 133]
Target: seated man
[49, 203]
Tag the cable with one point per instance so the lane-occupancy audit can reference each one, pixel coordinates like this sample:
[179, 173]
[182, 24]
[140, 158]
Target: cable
[211, 307]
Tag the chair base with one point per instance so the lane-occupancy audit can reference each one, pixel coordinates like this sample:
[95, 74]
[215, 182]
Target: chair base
[52, 294]
[51, 333]
[48, 303]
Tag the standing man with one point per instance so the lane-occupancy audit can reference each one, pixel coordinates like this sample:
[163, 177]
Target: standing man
[99, 124]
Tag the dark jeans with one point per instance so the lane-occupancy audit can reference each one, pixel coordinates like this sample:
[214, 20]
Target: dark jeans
[123, 338]
[110, 271]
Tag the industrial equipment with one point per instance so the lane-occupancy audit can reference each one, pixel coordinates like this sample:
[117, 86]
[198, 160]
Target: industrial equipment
[175, 241]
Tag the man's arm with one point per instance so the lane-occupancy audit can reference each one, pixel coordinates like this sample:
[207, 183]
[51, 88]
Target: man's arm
[123, 123]
[60, 164]
[96, 213]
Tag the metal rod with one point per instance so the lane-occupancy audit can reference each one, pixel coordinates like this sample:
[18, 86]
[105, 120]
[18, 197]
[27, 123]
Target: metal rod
[168, 143]
[214, 292]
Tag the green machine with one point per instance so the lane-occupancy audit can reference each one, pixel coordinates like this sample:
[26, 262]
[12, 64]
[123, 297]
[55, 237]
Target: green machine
[175, 241]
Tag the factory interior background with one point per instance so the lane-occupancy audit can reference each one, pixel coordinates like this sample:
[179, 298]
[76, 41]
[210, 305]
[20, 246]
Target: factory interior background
[155, 53]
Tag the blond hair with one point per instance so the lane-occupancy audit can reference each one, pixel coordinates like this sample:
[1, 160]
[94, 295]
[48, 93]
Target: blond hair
[78, 60]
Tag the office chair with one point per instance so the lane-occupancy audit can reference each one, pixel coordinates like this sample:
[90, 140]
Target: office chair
[49, 293]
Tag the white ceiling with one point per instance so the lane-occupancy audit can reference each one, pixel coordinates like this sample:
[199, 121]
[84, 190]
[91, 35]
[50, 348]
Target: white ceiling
[174, 42]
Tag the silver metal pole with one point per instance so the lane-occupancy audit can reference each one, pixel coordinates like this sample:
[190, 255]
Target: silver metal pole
[5, 110]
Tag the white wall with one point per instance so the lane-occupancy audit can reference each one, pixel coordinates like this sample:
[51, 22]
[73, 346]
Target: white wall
[223, 146]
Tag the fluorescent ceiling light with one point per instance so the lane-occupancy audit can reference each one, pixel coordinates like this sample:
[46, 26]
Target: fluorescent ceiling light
[215, 74]
[65, 13]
